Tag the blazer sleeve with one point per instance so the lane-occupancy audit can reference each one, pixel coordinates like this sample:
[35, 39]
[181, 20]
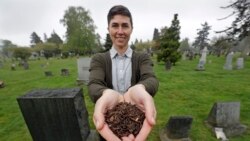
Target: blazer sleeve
[147, 76]
[97, 83]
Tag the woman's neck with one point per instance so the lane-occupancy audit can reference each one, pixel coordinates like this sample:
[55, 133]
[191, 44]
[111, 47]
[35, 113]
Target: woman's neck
[121, 50]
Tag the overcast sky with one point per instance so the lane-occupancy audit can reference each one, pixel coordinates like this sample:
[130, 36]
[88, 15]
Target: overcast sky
[19, 18]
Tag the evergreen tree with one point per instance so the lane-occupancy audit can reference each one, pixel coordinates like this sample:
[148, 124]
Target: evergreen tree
[54, 38]
[156, 34]
[169, 43]
[240, 27]
[45, 38]
[201, 40]
[108, 42]
[35, 39]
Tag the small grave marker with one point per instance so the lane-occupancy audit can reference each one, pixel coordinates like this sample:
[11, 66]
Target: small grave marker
[177, 128]
[226, 115]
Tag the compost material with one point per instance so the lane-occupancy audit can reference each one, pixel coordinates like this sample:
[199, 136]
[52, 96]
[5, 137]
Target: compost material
[125, 119]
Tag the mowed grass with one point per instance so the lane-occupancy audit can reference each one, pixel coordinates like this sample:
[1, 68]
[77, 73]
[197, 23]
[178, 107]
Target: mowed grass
[183, 91]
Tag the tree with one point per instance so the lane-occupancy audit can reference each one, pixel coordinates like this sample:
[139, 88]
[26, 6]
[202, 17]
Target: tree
[240, 27]
[35, 39]
[7, 47]
[49, 49]
[201, 40]
[54, 38]
[169, 43]
[184, 45]
[21, 52]
[80, 30]
[108, 42]
[220, 46]
[156, 34]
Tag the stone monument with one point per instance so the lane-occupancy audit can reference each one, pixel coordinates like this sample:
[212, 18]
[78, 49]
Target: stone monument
[202, 61]
[226, 115]
[177, 129]
[64, 72]
[55, 114]
[229, 59]
[83, 65]
[240, 63]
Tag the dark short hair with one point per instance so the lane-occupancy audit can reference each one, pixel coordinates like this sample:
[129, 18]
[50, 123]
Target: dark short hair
[119, 10]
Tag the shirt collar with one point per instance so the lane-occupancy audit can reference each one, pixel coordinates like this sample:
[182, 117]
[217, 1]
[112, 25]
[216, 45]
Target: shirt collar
[114, 53]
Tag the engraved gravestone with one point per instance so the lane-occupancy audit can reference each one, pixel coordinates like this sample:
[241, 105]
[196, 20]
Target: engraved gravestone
[55, 114]
[177, 128]
[25, 65]
[229, 59]
[202, 61]
[240, 63]
[48, 73]
[64, 72]
[226, 115]
[83, 65]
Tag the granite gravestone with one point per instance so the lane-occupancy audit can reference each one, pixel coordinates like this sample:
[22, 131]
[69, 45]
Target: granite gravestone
[64, 72]
[240, 63]
[55, 115]
[226, 115]
[177, 128]
[1, 84]
[202, 61]
[83, 65]
[229, 59]
[48, 73]
[25, 65]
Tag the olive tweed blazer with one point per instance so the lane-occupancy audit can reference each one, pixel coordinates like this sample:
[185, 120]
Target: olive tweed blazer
[101, 74]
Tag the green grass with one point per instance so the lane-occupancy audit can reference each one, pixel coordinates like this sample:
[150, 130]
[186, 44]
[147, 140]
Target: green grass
[182, 91]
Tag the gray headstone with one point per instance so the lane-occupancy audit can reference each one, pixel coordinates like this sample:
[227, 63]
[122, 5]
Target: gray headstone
[229, 59]
[55, 115]
[177, 128]
[64, 72]
[25, 65]
[48, 73]
[184, 55]
[226, 115]
[240, 63]
[1, 84]
[83, 65]
[13, 66]
[202, 61]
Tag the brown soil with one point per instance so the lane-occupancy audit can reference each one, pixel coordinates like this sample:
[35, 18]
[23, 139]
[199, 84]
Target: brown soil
[125, 119]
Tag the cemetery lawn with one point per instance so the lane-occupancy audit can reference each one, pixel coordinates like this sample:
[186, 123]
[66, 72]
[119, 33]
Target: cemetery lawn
[182, 91]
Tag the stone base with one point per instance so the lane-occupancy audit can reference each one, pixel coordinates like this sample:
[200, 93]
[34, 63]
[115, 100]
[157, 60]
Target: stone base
[200, 69]
[164, 137]
[235, 130]
[229, 131]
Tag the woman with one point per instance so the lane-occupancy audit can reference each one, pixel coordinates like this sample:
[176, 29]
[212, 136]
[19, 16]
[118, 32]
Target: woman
[121, 74]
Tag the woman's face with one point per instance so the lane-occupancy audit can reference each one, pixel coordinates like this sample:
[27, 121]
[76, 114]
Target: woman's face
[120, 30]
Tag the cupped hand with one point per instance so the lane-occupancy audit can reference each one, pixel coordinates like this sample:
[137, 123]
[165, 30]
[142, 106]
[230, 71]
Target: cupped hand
[139, 96]
[108, 100]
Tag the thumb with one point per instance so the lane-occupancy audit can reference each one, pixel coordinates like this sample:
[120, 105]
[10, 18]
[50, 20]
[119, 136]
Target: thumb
[150, 113]
[98, 121]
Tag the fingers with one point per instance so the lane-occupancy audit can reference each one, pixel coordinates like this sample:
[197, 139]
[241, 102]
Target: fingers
[145, 130]
[129, 138]
[107, 134]
[150, 112]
